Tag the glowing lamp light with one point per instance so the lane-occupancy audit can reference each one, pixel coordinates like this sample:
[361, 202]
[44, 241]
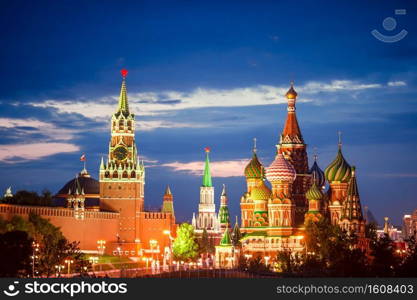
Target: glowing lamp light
[124, 72]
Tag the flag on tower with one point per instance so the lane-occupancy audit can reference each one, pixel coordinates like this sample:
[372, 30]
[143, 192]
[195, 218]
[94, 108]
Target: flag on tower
[83, 158]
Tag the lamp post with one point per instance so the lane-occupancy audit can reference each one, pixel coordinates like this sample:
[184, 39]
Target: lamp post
[69, 262]
[146, 259]
[101, 246]
[58, 269]
[35, 250]
[152, 244]
[167, 232]
[267, 258]
[93, 260]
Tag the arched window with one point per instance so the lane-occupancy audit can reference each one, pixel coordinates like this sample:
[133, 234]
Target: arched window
[115, 175]
[133, 174]
[125, 174]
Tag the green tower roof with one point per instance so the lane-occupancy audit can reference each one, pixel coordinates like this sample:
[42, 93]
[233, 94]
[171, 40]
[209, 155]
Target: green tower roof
[226, 240]
[207, 175]
[123, 106]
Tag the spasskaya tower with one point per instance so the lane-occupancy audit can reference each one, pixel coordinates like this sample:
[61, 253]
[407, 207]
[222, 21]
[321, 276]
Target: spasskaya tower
[122, 175]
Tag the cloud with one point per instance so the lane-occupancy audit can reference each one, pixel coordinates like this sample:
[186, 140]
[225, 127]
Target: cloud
[314, 87]
[227, 168]
[32, 126]
[160, 102]
[397, 83]
[151, 125]
[24, 152]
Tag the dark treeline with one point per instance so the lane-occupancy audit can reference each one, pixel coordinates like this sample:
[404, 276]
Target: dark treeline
[331, 252]
[24, 197]
[35, 247]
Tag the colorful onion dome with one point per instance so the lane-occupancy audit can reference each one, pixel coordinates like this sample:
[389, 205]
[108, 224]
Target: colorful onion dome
[339, 169]
[261, 192]
[317, 174]
[281, 170]
[255, 170]
[314, 192]
[291, 94]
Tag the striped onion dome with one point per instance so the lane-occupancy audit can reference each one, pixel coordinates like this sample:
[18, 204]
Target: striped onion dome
[317, 174]
[254, 170]
[314, 193]
[261, 192]
[339, 169]
[280, 170]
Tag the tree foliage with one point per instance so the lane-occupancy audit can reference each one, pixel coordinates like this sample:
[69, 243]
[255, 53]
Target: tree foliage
[185, 246]
[24, 197]
[54, 248]
[15, 251]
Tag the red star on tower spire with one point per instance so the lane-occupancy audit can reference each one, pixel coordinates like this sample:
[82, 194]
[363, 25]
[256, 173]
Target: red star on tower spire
[124, 72]
[207, 149]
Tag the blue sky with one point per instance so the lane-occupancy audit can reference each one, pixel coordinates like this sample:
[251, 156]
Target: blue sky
[208, 74]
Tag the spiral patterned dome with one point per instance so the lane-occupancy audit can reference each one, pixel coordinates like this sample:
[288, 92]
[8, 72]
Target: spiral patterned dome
[317, 174]
[339, 169]
[314, 193]
[254, 170]
[261, 192]
[281, 170]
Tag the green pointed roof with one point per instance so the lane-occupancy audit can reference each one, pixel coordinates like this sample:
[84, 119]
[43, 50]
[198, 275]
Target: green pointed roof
[123, 106]
[226, 239]
[352, 209]
[353, 185]
[236, 229]
[207, 176]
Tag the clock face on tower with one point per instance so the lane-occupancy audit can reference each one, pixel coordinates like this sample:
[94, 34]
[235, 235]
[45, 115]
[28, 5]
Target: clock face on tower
[120, 153]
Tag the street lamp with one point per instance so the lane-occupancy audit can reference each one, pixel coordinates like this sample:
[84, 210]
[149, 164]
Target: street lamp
[152, 244]
[267, 258]
[35, 250]
[167, 232]
[69, 262]
[93, 260]
[101, 246]
[58, 270]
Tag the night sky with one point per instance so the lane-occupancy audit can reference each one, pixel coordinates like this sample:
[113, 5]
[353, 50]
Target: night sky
[208, 74]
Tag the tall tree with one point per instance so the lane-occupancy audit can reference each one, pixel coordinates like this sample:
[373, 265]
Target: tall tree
[204, 243]
[384, 260]
[185, 246]
[15, 251]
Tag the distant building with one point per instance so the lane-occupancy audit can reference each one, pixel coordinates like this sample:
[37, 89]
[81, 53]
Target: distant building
[280, 199]
[410, 225]
[394, 233]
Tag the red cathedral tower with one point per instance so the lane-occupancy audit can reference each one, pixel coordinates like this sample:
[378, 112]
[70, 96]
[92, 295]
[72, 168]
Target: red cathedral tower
[122, 176]
[292, 146]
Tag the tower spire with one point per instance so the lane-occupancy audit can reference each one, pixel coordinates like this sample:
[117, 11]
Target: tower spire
[254, 145]
[291, 133]
[207, 175]
[123, 103]
[339, 133]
